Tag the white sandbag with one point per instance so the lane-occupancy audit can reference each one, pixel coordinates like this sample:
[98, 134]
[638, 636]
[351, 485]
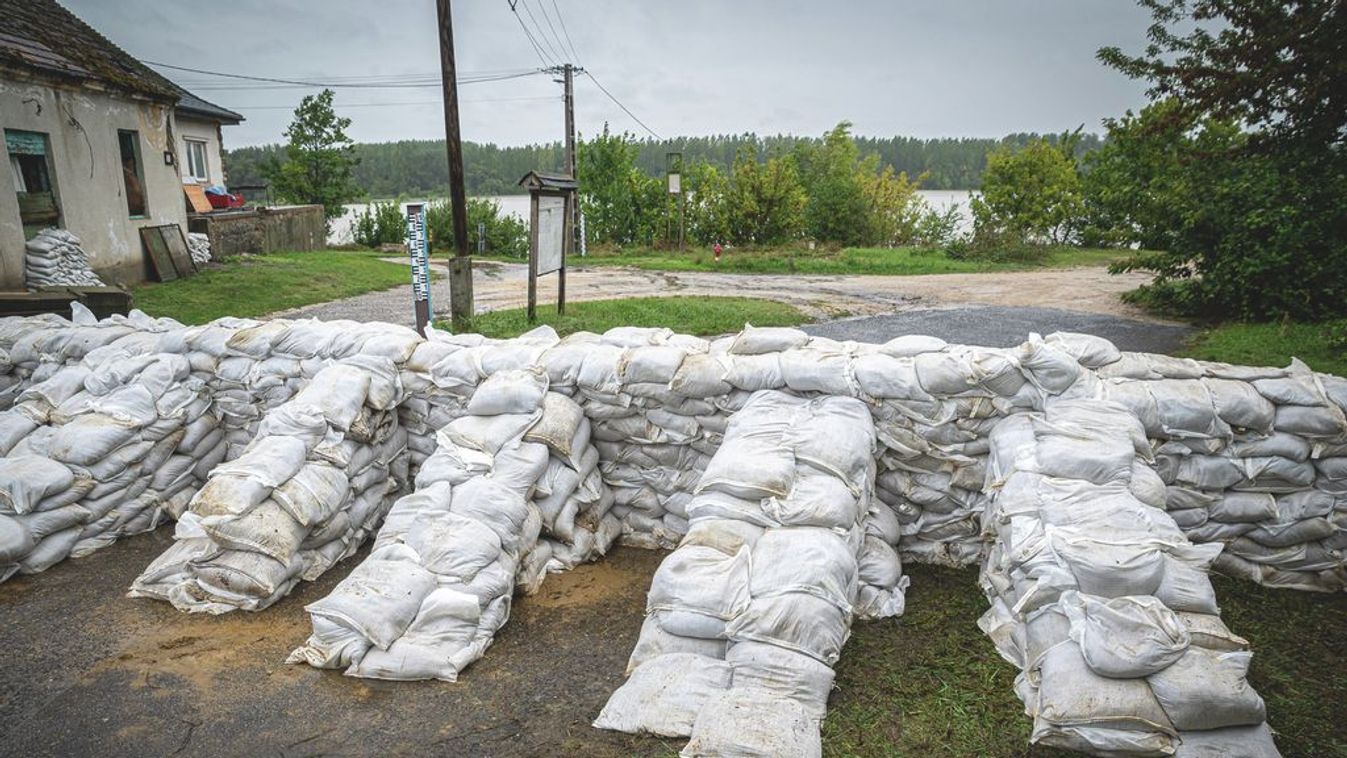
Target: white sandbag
[1124, 637]
[751, 724]
[664, 695]
[1208, 690]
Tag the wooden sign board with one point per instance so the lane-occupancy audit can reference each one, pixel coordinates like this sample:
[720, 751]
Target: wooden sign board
[196, 196]
[167, 248]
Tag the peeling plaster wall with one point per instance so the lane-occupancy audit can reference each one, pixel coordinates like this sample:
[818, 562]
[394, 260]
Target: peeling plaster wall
[81, 125]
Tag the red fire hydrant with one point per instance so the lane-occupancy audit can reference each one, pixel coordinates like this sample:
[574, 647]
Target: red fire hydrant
[716, 249]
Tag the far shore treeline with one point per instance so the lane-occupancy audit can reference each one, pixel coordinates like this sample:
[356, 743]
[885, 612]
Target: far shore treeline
[420, 168]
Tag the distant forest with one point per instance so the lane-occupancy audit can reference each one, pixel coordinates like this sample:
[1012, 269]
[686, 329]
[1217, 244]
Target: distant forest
[420, 168]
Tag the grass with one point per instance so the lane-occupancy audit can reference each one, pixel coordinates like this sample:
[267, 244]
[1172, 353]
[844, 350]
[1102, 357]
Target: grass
[901, 261]
[256, 285]
[929, 683]
[1274, 345]
[690, 315]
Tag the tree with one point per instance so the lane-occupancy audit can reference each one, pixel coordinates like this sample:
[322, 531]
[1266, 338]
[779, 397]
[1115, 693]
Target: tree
[1267, 236]
[621, 203]
[766, 202]
[837, 208]
[319, 158]
[707, 190]
[893, 209]
[1031, 195]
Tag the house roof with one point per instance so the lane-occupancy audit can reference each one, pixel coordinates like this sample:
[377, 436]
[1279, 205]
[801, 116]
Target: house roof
[194, 106]
[540, 180]
[41, 38]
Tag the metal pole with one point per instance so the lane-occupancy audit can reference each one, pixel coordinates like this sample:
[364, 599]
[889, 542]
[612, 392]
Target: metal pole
[460, 265]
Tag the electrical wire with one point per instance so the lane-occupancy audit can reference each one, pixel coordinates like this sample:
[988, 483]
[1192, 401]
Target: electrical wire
[390, 105]
[624, 108]
[564, 31]
[536, 47]
[271, 82]
[541, 34]
[542, 8]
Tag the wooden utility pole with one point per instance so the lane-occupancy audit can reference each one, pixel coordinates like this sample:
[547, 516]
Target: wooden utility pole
[460, 265]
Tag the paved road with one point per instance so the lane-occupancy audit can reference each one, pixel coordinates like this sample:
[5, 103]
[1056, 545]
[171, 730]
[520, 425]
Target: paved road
[1002, 326]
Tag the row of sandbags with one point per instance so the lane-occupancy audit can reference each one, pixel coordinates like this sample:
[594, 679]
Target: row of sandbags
[54, 258]
[100, 450]
[747, 617]
[304, 494]
[1255, 459]
[32, 348]
[438, 585]
[1102, 602]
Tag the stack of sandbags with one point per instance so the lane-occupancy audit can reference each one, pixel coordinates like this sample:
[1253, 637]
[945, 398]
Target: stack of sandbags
[1253, 459]
[438, 584]
[747, 617]
[198, 246]
[54, 258]
[1102, 602]
[32, 348]
[305, 493]
[99, 451]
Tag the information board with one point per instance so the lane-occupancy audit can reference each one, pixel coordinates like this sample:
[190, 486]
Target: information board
[551, 233]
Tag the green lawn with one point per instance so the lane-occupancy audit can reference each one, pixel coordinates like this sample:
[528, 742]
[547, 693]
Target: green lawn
[690, 315]
[1320, 345]
[256, 285]
[929, 683]
[892, 261]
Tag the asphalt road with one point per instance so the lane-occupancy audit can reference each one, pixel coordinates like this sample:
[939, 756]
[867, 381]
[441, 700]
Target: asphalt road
[1001, 326]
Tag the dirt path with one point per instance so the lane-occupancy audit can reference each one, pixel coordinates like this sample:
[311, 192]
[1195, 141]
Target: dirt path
[504, 285]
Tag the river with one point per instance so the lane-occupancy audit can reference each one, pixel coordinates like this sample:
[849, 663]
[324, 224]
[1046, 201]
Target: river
[339, 231]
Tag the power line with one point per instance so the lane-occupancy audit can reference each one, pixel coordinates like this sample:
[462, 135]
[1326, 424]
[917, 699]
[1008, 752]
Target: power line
[624, 108]
[562, 21]
[536, 47]
[392, 84]
[541, 33]
[389, 105]
[543, 9]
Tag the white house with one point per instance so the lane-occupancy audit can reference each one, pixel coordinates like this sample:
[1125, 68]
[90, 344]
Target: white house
[96, 142]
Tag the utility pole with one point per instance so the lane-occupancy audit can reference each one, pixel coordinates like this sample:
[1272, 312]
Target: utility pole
[568, 73]
[460, 265]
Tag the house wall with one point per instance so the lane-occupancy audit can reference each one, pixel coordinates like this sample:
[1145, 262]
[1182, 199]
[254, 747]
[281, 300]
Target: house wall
[82, 125]
[208, 132]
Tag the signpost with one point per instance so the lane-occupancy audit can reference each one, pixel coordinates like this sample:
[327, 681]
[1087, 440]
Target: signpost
[551, 232]
[418, 249]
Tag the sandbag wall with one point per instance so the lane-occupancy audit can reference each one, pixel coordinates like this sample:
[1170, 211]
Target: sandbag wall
[1254, 459]
[93, 453]
[438, 585]
[1102, 602]
[747, 617]
[304, 494]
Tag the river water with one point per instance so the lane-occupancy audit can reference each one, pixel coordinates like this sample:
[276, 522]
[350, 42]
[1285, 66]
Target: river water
[339, 230]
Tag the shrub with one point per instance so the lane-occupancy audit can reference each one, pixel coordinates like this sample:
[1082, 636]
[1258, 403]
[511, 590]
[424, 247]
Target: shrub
[380, 224]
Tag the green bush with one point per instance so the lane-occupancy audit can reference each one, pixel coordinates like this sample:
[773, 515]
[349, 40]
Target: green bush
[505, 234]
[380, 224]
[1032, 194]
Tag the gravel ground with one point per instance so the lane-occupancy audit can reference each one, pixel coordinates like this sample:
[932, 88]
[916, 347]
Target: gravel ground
[498, 286]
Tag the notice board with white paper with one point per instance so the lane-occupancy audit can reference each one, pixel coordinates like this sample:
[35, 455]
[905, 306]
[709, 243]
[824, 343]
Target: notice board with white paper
[551, 233]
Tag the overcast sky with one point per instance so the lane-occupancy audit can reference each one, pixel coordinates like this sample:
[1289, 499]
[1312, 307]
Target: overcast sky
[925, 68]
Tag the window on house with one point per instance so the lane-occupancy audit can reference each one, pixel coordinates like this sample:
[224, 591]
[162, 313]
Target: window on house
[196, 160]
[30, 162]
[133, 174]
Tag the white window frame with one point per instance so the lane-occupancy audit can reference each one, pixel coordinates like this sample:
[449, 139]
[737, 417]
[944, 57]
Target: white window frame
[204, 174]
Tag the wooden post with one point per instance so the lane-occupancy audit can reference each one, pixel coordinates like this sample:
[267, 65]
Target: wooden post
[460, 265]
[533, 258]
